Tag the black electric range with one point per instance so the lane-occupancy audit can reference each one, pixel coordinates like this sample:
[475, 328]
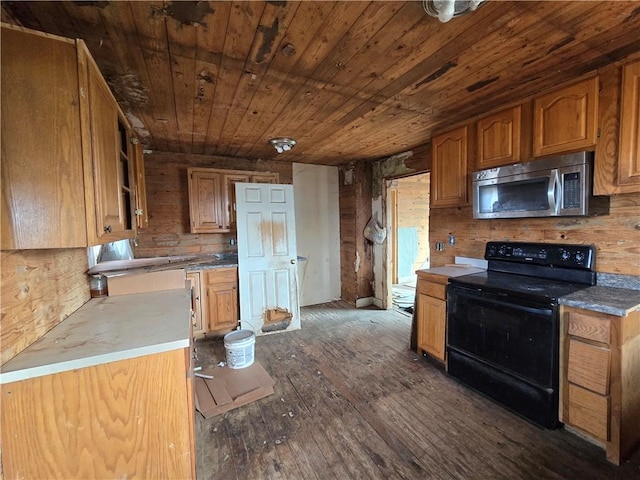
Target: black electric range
[503, 324]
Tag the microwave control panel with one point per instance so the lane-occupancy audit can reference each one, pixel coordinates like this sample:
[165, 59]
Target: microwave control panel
[571, 190]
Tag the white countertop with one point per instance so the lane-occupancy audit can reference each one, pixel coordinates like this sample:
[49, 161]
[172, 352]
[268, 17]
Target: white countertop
[106, 330]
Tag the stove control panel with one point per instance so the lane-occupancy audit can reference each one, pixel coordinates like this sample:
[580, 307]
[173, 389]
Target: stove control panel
[547, 254]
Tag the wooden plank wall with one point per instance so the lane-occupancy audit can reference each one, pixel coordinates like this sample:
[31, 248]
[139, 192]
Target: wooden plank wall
[39, 289]
[616, 236]
[356, 253]
[168, 203]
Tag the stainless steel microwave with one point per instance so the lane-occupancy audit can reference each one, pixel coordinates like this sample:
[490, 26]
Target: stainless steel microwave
[551, 187]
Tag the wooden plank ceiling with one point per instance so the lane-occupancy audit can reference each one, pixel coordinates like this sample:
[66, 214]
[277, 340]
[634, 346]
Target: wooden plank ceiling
[349, 80]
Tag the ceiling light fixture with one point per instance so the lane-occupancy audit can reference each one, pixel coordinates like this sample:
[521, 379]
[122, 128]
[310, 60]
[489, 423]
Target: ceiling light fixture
[445, 10]
[282, 144]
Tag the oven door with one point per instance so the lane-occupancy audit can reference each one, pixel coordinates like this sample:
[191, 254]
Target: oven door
[506, 348]
[523, 195]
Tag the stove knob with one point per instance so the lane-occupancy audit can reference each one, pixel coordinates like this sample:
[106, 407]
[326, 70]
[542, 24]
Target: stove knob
[579, 257]
[565, 256]
[492, 250]
[502, 250]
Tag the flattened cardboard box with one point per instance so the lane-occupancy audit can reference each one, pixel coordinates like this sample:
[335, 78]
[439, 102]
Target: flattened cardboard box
[231, 388]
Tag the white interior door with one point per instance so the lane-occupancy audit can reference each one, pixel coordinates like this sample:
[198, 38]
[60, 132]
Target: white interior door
[267, 258]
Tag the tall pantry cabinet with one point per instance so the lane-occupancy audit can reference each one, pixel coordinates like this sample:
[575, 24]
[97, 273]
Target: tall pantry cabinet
[68, 177]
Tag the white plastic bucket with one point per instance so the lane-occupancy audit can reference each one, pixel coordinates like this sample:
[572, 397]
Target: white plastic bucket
[239, 346]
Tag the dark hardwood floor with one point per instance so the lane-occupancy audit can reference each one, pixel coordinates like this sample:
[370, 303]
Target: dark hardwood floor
[352, 401]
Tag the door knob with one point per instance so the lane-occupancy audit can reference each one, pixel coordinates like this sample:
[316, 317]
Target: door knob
[293, 261]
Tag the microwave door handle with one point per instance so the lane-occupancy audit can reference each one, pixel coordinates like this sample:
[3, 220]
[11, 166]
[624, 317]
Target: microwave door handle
[553, 191]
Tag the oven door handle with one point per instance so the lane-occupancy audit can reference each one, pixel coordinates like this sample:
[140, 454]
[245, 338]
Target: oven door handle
[553, 191]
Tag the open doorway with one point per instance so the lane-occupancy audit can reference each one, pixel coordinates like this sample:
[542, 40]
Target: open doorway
[408, 249]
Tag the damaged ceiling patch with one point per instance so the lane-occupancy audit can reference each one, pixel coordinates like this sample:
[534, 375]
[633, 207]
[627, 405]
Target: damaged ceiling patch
[189, 13]
[129, 90]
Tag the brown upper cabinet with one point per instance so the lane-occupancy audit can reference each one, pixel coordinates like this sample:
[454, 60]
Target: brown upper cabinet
[629, 151]
[205, 200]
[449, 169]
[212, 197]
[566, 119]
[67, 179]
[499, 138]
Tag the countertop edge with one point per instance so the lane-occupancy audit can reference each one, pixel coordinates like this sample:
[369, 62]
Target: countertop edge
[60, 367]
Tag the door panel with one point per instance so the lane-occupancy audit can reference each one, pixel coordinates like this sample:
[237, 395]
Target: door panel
[267, 258]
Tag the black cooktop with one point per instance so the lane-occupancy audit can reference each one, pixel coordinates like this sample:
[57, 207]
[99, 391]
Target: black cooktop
[523, 286]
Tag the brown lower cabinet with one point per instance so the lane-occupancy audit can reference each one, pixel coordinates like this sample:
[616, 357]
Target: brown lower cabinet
[431, 314]
[131, 418]
[214, 300]
[601, 378]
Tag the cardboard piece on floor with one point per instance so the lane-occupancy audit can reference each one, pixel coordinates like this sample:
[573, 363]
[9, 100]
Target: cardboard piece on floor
[231, 388]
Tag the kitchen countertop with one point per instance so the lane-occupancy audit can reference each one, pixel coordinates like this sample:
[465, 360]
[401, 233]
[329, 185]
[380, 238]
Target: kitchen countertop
[452, 270]
[604, 299]
[154, 264]
[105, 330]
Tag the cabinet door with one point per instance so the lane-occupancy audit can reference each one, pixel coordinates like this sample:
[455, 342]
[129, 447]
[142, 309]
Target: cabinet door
[230, 197]
[105, 151]
[196, 303]
[136, 410]
[588, 411]
[264, 178]
[205, 201]
[499, 138]
[222, 298]
[142, 215]
[629, 154]
[566, 119]
[43, 199]
[449, 169]
[431, 325]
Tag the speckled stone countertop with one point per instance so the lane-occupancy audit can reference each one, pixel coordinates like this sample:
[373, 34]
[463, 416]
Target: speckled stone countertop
[614, 294]
[187, 262]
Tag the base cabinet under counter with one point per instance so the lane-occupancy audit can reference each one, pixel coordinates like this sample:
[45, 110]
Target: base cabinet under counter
[125, 419]
[106, 393]
[214, 300]
[600, 378]
[431, 314]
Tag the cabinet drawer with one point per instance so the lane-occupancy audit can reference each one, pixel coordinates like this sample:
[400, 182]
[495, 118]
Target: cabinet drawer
[222, 275]
[435, 290]
[589, 412]
[589, 366]
[590, 327]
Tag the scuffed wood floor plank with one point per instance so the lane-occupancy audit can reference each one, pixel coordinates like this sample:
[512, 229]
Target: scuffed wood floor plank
[352, 401]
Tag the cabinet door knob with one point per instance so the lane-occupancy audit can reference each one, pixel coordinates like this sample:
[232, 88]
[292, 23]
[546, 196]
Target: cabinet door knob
[107, 229]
